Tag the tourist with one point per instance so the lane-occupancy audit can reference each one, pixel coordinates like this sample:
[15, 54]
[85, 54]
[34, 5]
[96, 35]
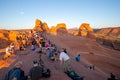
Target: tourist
[12, 46]
[16, 73]
[8, 52]
[35, 72]
[65, 60]
[78, 58]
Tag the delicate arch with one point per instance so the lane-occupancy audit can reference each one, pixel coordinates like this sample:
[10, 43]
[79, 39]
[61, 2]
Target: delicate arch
[86, 26]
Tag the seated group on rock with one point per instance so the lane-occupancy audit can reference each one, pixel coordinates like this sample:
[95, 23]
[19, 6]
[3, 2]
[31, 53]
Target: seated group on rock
[35, 73]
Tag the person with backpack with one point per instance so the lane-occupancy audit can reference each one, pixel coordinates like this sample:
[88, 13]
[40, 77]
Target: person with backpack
[16, 73]
[36, 71]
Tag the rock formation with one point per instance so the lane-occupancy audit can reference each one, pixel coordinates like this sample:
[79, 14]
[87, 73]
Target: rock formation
[109, 37]
[53, 30]
[86, 30]
[61, 27]
[4, 38]
[12, 35]
[38, 25]
[45, 27]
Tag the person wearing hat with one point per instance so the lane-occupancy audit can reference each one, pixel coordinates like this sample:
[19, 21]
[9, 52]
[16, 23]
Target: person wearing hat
[16, 73]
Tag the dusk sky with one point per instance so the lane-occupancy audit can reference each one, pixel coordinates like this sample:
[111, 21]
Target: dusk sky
[21, 14]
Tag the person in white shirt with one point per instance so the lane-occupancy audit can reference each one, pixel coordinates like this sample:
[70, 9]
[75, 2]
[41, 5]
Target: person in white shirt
[65, 61]
[8, 52]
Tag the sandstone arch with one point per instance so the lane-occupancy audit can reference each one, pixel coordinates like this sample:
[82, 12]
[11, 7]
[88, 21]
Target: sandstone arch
[86, 30]
[86, 26]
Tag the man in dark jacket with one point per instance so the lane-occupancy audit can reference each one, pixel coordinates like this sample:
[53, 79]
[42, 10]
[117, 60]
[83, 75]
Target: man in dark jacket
[35, 72]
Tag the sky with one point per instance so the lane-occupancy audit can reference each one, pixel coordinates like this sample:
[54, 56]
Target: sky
[21, 14]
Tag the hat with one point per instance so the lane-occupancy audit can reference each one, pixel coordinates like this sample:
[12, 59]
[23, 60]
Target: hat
[18, 64]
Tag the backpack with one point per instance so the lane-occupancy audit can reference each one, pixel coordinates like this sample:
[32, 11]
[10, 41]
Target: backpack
[46, 73]
[7, 76]
[74, 76]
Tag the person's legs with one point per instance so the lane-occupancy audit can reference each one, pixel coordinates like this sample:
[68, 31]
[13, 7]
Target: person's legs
[66, 66]
[7, 55]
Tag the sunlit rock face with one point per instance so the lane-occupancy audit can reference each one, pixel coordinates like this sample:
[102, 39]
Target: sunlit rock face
[4, 38]
[45, 27]
[41, 26]
[12, 35]
[86, 31]
[38, 25]
[61, 28]
[53, 30]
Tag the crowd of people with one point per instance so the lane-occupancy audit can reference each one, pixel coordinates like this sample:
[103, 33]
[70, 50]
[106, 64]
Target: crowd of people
[35, 40]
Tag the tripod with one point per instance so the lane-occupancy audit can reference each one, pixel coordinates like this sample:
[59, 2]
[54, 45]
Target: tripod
[41, 63]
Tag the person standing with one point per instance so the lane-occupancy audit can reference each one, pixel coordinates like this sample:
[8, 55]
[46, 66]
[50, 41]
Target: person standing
[65, 61]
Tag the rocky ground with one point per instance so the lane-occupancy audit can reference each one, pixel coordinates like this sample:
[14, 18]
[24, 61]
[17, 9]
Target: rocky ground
[104, 59]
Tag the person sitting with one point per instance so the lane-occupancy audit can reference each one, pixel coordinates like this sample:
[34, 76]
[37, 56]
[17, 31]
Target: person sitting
[16, 73]
[8, 52]
[49, 53]
[35, 72]
[78, 57]
[12, 46]
[33, 48]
